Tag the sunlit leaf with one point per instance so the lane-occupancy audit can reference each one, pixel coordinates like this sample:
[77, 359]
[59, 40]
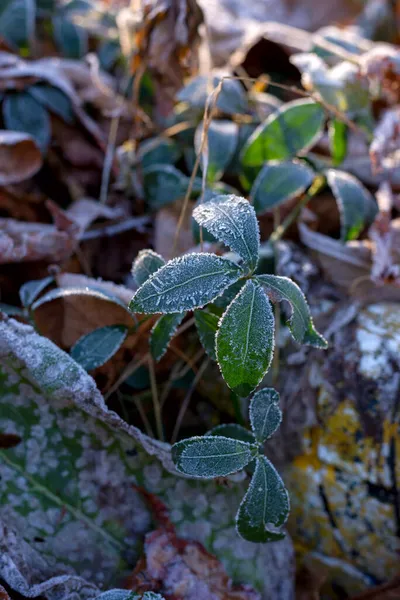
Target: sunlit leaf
[338, 141]
[265, 506]
[211, 456]
[245, 339]
[98, 346]
[162, 333]
[185, 283]
[146, 263]
[300, 323]
[265, 414]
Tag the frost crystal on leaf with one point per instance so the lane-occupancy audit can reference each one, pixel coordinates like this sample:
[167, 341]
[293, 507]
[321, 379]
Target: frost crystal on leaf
[146, 263]
[245, 339]
[185, 283]
[265, 414]
[232, 220]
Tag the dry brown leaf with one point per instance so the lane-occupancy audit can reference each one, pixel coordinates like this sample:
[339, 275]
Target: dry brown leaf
[385, 146]
[20, 158]
[3, 594]
[385, 235]
[382, 65]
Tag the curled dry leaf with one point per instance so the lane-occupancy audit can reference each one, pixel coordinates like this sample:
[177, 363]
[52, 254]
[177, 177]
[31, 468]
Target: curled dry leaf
[385, 236]
[385, 147]
[381, 64]
[20, 158]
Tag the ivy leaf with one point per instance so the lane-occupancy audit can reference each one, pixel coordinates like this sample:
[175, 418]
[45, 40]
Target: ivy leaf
[300, 323]
[53, 99]
[232, 221]
[279, 182]
[207, 325]
[338, 135]
[98, 346]
[234, 431]
[17, 21]
[245, 339]
[265, 414]
[265, 506]
[30, 290]
[222, 142]
[146, 263]
[356, 204]
[21, 112]
[211, 456]
[185, 283]
[163, 332]
[292, 129]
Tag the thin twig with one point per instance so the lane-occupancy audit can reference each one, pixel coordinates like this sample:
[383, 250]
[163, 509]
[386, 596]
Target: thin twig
[127, 372]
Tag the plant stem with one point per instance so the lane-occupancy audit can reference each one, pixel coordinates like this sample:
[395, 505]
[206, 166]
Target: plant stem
[156, 404]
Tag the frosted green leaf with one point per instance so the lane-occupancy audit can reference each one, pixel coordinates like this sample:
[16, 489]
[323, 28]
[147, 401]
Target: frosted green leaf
[245, 339]
[229, 294]
[98, 346]
[53, 99]
[145, 264]
[17, 21]
[338, 138]
[30, 290]
[234, 431]
[185, 283]
[232, 221]
[265, 414]
[211, 456]
[232, 98]
[163, 332]
[71, 39]
[128, 595]
[21, 112]
[279, 182]
[207, 325]
[12, 311]
[222, 142]
[265, 506]
[158, 151]
[86, 291]
[300, 323]
[163, 184]
[292, 129]
[356, 204]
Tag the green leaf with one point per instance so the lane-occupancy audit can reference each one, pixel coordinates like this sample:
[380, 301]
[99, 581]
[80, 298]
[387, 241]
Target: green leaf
[356, 204]
[207, 325]
[338, 141]
[300, 323]
[71, 39]
[30, 290]
[145, 264]
[21, 112]
[222, 142]
[17, 21]
[231, 100]
[84, 291]
[163, 332]
[245, 339]
[232, 221]
[12, 311]
[234, 431]
[265, 506]
[211, 456]
[292, 129]
[53, 99]
[119, 594]
[158, 151]
[98, 346]
[265, 414]
[185, 283]
[279, 182]
[163, 184]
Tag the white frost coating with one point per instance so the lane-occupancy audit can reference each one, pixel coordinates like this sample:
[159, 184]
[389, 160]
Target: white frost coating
[145, 264]
[185, 283]
[265, 414]
[232, 220]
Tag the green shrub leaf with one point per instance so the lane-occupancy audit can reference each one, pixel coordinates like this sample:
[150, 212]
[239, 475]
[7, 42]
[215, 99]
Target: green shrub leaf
[356, 204]
[234, 431]
[163, 184]
[278, 182]
[222, 142]
[53, 99]
[207, 325]
[232, 221]
[71, 39]
[146, 263]
[211, 456]
[30, 290]
[98, 346]
[265, 414]
[265, 506]
[292, 129]
[231, 100]
[158, 151]
[338, 135]
[17, 21]
[184, 283]
[300, 323]
[163, 332]
[245, 339]
[21, 112]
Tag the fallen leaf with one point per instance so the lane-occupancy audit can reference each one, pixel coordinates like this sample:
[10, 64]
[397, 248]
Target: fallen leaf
[381, 64]
[20, 157]
[384, 149]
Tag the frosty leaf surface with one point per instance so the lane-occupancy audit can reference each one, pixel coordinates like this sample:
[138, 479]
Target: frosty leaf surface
[245, 339]
[163, 332]
[300, 323]
[118, 594]
[232, 221]
[279, 182]
[185, 283]
[145, 264]
[356, 204]
[234, 431]
[30, 290]
[265, 414]
[265, 506]
[98, 346]
[207, 325]
[222, 141]
[292, 129]
[211, 456]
